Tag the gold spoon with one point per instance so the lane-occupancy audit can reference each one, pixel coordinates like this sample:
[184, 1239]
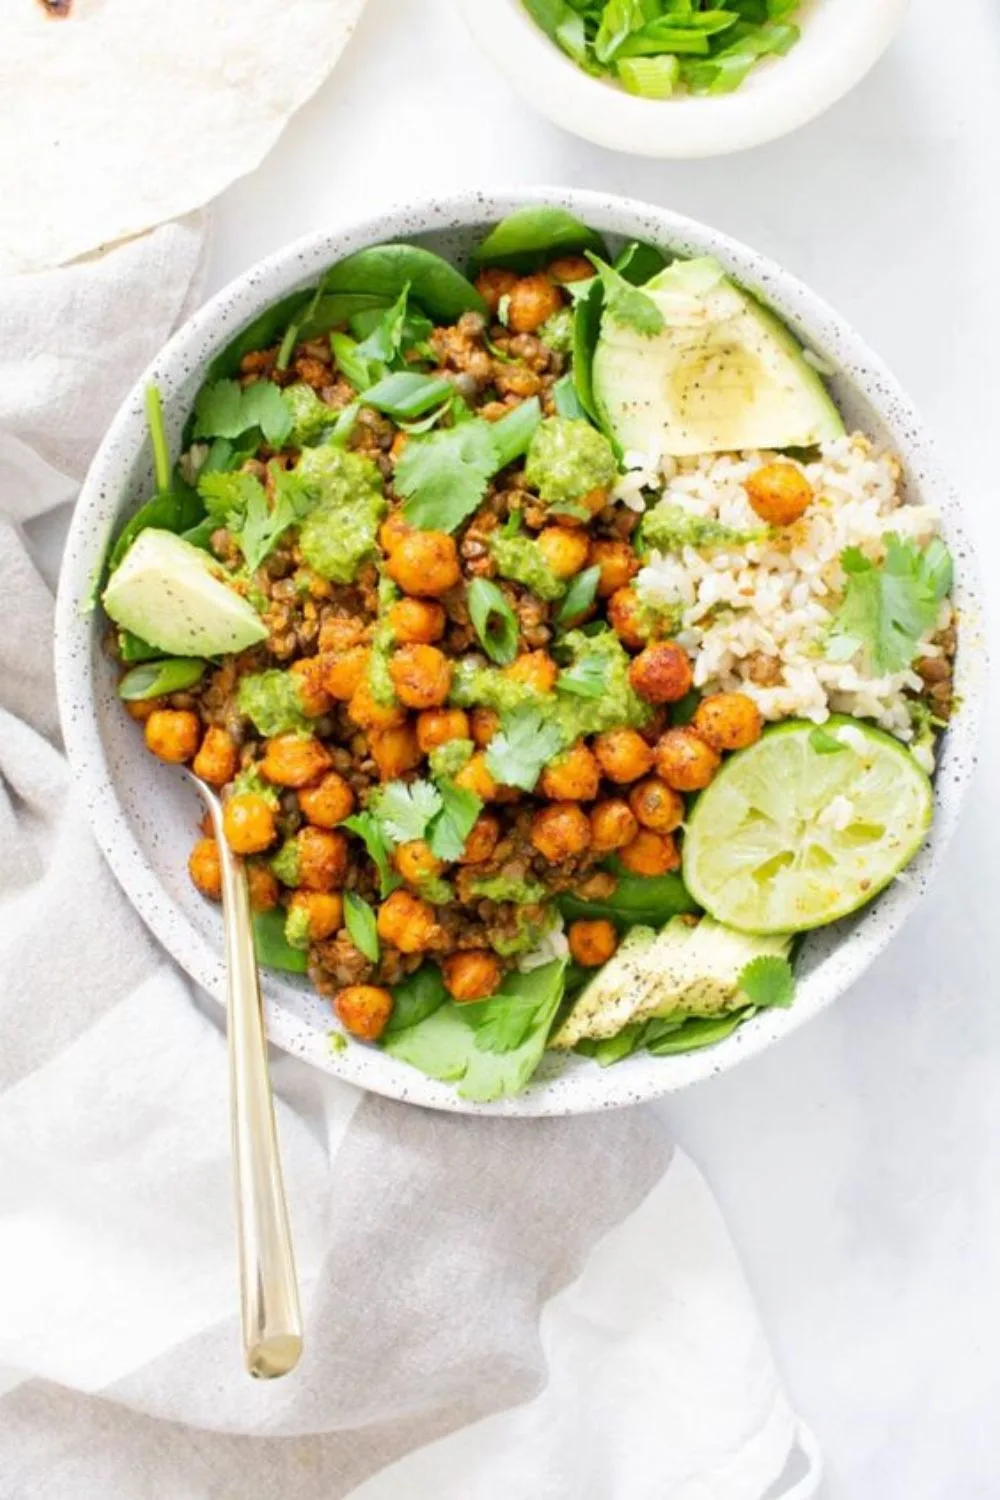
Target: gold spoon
[269, 1291]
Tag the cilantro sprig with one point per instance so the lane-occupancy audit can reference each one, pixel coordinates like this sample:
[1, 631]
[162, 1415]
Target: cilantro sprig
[624, 302]
[768, 981]
[225, 409]
[525, 742]
[888, 607]
[240, 502]
[443, 474]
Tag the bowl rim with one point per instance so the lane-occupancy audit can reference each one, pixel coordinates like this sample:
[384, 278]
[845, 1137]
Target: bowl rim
[786, 93]
[77, 646]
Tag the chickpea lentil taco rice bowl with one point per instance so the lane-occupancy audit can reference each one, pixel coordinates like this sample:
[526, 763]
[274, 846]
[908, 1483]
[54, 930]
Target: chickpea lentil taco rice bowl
[574, 623]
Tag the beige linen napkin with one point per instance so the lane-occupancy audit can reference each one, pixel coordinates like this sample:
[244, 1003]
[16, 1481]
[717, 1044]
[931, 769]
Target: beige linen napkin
[532, 1310]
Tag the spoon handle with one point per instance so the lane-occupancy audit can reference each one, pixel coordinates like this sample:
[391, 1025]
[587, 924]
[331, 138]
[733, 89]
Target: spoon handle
[269, 1293]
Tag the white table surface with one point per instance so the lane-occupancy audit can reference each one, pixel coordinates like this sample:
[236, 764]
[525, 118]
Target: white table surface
[859, 1162]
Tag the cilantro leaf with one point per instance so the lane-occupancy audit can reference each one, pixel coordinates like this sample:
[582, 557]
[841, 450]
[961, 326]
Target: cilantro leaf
[368, 829]
[768, 980]
[824, 743]
[504, 1021]
[263, 526]
[625, 302]
[453, 824]
[359, 919]
[404, 809]
[887, 608]
[526, 741]
[443, 475]
[224, 409]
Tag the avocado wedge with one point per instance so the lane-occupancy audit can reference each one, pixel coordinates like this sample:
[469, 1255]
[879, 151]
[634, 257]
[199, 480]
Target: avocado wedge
[172, 594]
[723, 373]
[689, 969]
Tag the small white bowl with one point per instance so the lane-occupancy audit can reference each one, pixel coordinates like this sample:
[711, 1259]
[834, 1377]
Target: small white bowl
[145, 815]
[841, 40]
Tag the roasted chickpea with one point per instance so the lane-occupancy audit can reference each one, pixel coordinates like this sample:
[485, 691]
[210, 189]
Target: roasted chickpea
[661, 673]
[248, 821]
[140, 709]
[327, 803]
[684, 760]
[294, 759]
[364, 1010]
[656, 805]
[397, 445]
[623, 754]
[532, 300]
[618, 565]
[471, 975]
[313, 696]
[484, 723]
[416, 622]
[342, 674]
[625, 616]
[494, 283]
[592, 943]
[407, 922]
[217, 757]
[561, 831]
[650, 853]
[483, 838]
[415, 862]
[264, 889]
[322, 858]
[425, 563]
[570, 268]
[566, 552]
[437, 726]
[612, 825]
[325, 910]
[367, 713]
[421, 676]
[395, 750]
[205, 869]
[340, 634]
[779, 493]
[392, 531]
[574, 776]
[535, 669]
[728, 721]
[475, 777]
[173, 734]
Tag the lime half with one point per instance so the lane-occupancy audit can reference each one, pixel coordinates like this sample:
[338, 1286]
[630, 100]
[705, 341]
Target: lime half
[805, 826]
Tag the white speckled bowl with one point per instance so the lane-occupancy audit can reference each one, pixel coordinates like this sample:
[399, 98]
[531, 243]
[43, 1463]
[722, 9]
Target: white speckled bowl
[841, 41]
[144, 816]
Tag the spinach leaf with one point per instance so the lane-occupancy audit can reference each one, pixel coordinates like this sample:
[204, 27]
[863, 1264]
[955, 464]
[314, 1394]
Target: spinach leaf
[273, 949]
[636, 900]
[416, 998]
[384, 270]
[587, 314]
[154, 679]
[175, 507]
[695, 1033]
[359, 919]
[639, 262]
[529, 237]
[489, 1049]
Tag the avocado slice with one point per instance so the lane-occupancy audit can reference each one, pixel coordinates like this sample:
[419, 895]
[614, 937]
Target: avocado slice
[172, 594]
[722, 374]
[688, 969]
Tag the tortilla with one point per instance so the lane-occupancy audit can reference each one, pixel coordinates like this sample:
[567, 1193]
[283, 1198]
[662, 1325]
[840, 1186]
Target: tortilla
[121, 114]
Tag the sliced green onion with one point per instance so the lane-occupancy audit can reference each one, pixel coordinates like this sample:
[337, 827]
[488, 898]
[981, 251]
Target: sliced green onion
[493, 620]
[359, 920]
[567, 403]
[650, 77]
[158, 439]
[514, 432]
[406, 394]
[155, 679]
[579, 596]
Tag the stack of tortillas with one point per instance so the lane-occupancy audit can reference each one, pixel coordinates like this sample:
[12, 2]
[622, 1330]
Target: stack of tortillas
[120, 114]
